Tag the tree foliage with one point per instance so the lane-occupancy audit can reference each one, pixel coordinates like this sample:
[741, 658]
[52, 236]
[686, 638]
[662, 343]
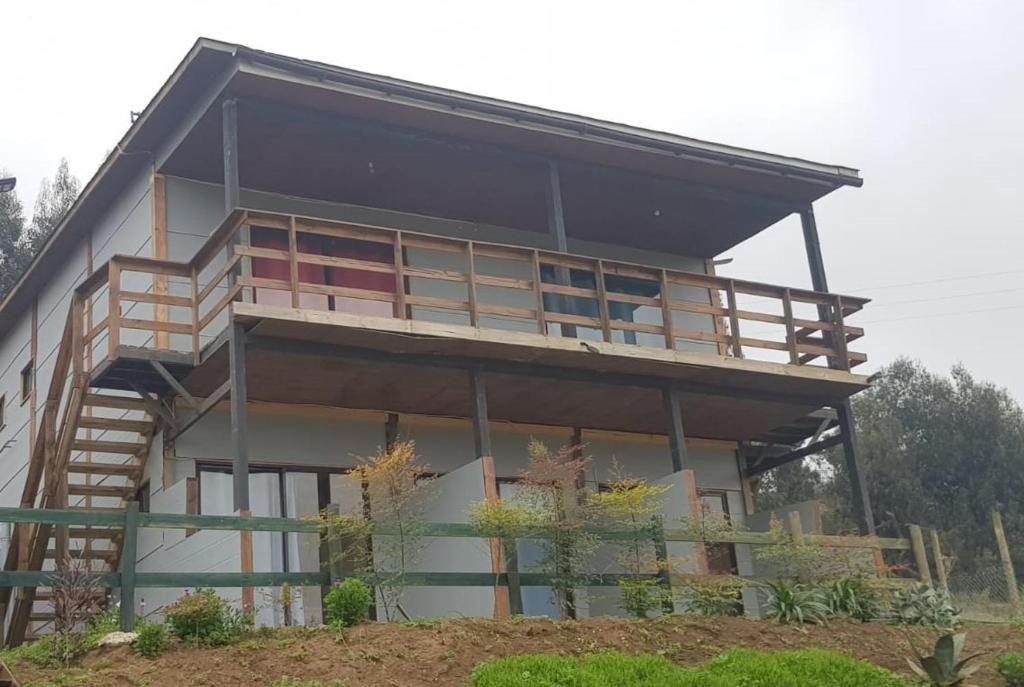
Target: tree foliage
[940, 451]
[20, 242]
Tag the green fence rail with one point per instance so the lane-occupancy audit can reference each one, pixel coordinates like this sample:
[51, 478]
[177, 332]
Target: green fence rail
[127, 580]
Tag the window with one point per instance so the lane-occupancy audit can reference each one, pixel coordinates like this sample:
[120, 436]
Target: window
[3, 420]
[28, 380]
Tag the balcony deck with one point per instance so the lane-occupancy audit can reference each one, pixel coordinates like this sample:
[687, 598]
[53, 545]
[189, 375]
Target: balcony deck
[410, 307]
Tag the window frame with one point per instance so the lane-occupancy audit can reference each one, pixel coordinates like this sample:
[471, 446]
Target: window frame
[28, 375]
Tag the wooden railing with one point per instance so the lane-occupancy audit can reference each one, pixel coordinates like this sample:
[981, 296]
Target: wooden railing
[304, 262]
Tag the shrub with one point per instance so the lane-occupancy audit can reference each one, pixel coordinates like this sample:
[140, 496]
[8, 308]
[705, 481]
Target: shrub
[922, 605]
[797, 603]
[738, 667]
[853, 597]
[718, 595]
[205, 618]
[348, 603]
[1011, 667]
[151, 639]
[639, 597]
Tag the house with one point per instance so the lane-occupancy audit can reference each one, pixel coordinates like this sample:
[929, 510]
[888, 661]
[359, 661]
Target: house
[284, 265]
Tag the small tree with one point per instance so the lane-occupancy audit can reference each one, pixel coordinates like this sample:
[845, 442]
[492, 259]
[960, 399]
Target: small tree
[631, 506]
[801, 562]
[505, 519]
[398, 489]
[75, 595]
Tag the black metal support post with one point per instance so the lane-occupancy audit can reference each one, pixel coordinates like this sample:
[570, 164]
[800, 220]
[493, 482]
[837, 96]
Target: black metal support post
[239, 416]
[844, 411]
[481, 430]
[676, 437]
[232, 192]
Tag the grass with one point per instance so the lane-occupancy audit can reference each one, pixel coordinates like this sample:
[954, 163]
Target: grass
[731, 669]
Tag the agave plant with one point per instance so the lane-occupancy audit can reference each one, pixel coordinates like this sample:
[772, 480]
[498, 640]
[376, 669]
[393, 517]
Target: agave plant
[945, 668]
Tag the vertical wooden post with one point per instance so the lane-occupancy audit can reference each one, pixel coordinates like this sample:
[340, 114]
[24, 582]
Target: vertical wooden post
[940, 562]
[400, 277]
[232, 186]
[602, 301]
[796, 527]
[538, 289]
[114, 309]
[239, 416]
[676, 437]
[293, 261]
[695, 512]
[160, 281]
[474, 315]
[245, 543]
[734, 320]
[920, 555]
[666, 311]
[129, 553]
[195, 315]
[787, 314]
[661, 560]
[1013, 593]
[478, 401]
[501, 593]
[515, 590]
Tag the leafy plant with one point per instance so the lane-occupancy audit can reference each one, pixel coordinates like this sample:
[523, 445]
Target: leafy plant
[398, 488]
[944, 668]
[714, 596]
[797, 603]
[853, 597]
[641, 596]
[151, 639]
[348, 603]
[922, 605]
[802, 561]
[204, 618]
[1011, 667]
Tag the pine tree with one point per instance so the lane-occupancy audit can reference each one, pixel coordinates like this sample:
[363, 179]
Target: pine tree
[12, 252]
[54, 200]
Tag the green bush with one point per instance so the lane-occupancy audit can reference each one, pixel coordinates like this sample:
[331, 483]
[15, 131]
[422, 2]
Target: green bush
[854, 598]
[716, 595]
[151, 639]
[922, 605]
[348, 603]
[205, 618]
[733, 668]
[639, 597]
[1011, 667]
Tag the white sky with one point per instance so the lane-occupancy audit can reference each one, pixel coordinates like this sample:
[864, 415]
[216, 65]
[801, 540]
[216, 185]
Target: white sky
[926, 98]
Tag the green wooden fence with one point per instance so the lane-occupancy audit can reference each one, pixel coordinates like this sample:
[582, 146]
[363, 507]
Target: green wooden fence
[126, 579]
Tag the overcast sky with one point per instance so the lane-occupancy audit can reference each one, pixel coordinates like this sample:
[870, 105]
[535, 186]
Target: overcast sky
[926, 98]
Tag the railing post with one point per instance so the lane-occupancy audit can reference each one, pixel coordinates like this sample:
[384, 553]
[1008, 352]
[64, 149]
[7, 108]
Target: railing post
[602, 301]
[666, 311]
[787, 314]
[515, 590]
[114, 308]
[839, 334]
[194, 280]
[293, 261]
[538, 289]
[734, 320]
[661, 560]
[400, 278]
[474, 315]
[129, 549]
[920, 555]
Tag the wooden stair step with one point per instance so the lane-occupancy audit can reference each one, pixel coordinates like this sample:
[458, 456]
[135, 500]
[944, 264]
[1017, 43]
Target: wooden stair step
[90, 555]
[100, 490]
[132, 448]
[100, 596]
[97, 468]
[94, 532]
[41, 617]
[119, 402]
[115, 424]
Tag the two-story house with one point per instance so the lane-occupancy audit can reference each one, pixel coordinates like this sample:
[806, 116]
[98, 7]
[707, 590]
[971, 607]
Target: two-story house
[285, 264]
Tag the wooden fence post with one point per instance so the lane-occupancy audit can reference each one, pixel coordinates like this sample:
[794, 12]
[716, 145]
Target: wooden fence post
[245, 541]
[1013, 594]
[515, 591]
[661, 560]
[330, 552]
[940, 562]
[129, 551]
[796, 527]
[695, 515]
[920, 554]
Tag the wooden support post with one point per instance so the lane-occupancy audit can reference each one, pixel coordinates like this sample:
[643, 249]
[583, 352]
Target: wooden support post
[796, 527]
[556, 226]
[920, 555]
[734, 320]
[400, 287]
[695, 513]
[787, 315]
[676, 437]
[293, 262]
[481, 429]
[239, 416]
[666, 311]
[331, 552]
[474, 313]
[858, 480]
[232, 187]
[661, 560]
[160, 281]
[113, 309]
[501, 593]
[940, 562]
[245, 543]
[129, 551]
[538, 290]
[1013, 592]
[515, 590]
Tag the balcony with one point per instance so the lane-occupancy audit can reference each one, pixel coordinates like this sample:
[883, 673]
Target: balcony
[418, 296]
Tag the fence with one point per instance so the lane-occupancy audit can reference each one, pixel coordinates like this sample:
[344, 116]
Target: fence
[508, 581]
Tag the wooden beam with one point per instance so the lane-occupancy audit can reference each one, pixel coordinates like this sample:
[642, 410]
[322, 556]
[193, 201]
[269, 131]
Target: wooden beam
[676, 437]
[239, 416]
[160, 281]
[940, 562]
[175, 384]
[501, 593]
[481, 429]
[1013, 592]
[232, 188]
[246, 553]
[924, 573]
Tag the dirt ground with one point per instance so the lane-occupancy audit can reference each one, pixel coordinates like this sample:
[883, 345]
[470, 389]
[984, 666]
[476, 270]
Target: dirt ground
[379, 655]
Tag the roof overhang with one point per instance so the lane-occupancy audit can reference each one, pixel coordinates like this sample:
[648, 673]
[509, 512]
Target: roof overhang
[214, 69]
